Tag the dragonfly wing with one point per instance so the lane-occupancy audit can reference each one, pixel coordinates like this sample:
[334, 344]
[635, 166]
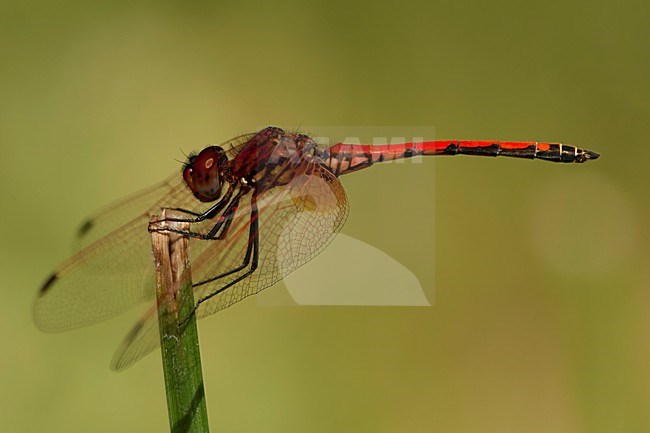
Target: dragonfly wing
[296, 222]
[234, 145]
[143, 339]
[114, 272]
[117, 214]
[121, 212]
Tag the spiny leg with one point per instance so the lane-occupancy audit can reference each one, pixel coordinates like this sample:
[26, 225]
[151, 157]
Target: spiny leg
[226, 217]
[245, 262]
[225, 220]
[208, 214]
[253, 235]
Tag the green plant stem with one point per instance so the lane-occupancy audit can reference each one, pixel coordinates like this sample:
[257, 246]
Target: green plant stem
[179, 345]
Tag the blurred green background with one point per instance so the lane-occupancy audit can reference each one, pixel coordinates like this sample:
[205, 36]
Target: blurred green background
[541, 319]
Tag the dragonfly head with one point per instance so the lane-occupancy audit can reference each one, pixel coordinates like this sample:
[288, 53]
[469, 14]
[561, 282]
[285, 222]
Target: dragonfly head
[204, 173]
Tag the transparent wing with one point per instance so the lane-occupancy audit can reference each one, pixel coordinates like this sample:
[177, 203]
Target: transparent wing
[296, 222]
[234, 145]
[112, 270]
[143, 339]
[117, 214]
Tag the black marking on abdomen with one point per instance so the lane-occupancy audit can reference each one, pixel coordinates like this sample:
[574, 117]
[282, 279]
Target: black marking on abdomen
[452, 149]
[529, 152]
[411, 152]
[491, 150]
[551, 154]
[568, 153]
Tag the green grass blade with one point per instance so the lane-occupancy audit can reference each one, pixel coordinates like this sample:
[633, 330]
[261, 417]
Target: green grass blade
[179, 345]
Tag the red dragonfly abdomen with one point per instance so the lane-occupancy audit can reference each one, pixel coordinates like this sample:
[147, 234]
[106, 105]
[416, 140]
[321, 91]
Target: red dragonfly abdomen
[346, 158]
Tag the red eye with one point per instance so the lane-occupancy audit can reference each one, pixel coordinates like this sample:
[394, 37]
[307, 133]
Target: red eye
[203, 173]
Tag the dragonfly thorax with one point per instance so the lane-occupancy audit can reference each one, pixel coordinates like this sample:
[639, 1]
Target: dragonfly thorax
[204, 173]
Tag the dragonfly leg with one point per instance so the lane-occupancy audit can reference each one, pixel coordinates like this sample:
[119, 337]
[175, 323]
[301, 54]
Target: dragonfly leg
[247, 256]
[251, 250]
[224, 221]
[198, 217]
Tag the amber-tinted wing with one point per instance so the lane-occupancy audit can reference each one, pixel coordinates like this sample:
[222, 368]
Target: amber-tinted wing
[296, 222]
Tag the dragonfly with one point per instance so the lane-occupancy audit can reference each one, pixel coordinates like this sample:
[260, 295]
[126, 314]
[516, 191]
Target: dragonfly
[258, 207]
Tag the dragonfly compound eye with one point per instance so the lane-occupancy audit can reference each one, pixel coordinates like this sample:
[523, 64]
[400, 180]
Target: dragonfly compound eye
[203, 173]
